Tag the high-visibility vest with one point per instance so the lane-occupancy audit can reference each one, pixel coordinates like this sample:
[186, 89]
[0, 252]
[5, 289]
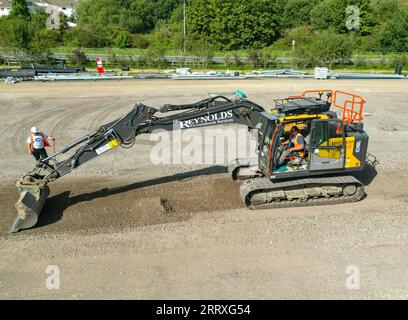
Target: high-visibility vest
[45, 141]
[296, 144]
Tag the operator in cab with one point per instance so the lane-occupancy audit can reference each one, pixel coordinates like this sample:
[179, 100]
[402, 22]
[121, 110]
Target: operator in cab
[296, 146]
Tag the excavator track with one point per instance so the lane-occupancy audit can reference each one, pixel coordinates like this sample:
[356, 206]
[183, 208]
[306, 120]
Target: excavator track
[262, 193]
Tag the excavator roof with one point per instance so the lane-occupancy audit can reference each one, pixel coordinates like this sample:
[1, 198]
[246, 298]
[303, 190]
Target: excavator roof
[307, 105]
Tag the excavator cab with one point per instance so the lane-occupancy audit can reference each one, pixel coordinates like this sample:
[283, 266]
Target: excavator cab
[334, 141]
[335, 146]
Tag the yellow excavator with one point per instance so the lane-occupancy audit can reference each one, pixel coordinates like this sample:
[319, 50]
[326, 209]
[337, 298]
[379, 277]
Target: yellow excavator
[330, 122]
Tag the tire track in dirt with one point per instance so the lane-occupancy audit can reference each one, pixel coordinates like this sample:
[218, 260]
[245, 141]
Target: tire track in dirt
[22, 127]
[104, 111]
[66, 129]
[61, 132]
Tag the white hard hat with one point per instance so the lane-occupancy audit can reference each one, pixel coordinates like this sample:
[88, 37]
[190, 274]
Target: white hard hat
[34, 130]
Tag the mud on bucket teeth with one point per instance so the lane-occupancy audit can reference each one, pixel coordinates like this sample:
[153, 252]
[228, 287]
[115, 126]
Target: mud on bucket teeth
[29, 206]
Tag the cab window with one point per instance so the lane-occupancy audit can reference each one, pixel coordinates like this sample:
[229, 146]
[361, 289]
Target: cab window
[325, 132]
[268, 138]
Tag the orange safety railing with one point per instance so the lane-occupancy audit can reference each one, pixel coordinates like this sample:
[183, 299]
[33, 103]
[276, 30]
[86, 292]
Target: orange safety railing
[350, 104]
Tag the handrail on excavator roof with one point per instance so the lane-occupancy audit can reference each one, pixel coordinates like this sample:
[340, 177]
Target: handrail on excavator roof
[350, 104]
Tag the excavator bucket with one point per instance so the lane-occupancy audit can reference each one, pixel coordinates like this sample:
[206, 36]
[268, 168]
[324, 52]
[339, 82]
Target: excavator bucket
[29, 205]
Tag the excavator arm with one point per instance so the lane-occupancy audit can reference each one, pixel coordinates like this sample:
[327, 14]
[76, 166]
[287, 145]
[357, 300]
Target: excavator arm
[33, 187]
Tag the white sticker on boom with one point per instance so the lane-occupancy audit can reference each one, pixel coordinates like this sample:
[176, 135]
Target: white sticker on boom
[110, 145]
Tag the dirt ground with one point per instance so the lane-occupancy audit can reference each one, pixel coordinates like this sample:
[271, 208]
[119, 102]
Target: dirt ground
[123, 227]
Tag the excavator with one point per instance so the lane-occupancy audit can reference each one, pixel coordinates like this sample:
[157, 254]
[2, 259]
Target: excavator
[330, 122]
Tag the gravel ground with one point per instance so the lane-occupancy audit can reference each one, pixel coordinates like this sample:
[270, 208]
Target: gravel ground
[123, 227]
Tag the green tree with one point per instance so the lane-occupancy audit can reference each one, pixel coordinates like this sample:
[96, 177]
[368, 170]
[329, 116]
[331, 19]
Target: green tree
[26, 39]
[123, 40]
[384, 10]
[139, 41]
[15, 37]
[253, 56]
[296, 13]
[205, 51]
[325, 49]
[393, 33]
[235, 24]
[98, 12]
[134, 16]
[155, 57]
[237, 58]
[40, 46]
[265, 57]
[167, 36]
[89, 36]
[19, 8]
[152, 12]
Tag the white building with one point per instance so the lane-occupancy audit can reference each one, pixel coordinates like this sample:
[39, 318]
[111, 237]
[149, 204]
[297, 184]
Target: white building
[5, 7]
[64, 6]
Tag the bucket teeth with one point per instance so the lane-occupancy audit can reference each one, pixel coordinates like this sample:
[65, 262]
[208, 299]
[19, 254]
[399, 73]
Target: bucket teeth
[29, 206]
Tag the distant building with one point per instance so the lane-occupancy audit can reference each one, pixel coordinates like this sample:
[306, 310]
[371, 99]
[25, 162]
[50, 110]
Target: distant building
[64, 6]
[5, 7]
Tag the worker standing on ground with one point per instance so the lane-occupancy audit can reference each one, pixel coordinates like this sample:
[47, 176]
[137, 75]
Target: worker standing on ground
[36, 143]
[296, 146]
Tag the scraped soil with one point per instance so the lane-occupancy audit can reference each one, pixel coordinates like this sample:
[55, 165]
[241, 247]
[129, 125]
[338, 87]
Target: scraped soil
[109, 204]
